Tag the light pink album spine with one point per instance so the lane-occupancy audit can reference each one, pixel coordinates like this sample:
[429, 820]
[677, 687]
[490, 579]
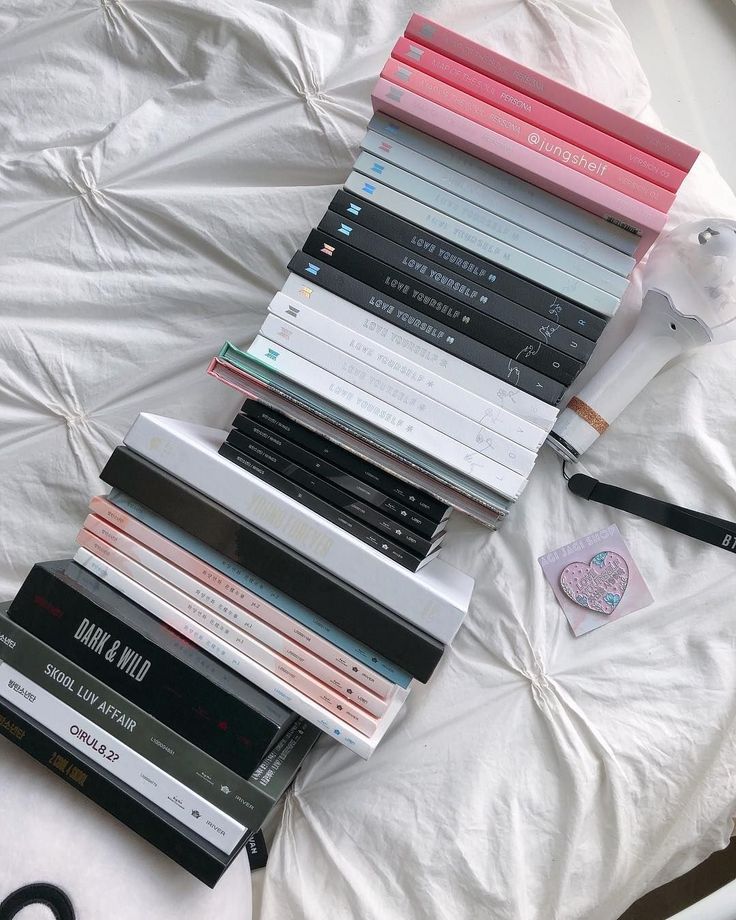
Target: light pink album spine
[236, 638]
[249, 603]
[536, 113]
[519, 160]
[549, 145]
[551, 92]
[259, 630]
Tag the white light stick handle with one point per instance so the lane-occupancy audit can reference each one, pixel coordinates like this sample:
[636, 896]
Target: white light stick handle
[660, 334]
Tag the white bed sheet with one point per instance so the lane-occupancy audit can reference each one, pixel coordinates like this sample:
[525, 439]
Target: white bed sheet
[159, 163]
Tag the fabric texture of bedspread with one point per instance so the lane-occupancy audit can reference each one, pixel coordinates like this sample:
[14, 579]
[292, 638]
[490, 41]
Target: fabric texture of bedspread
[160, 161]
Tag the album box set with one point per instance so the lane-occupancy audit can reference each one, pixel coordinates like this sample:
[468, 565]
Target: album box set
[235, 595]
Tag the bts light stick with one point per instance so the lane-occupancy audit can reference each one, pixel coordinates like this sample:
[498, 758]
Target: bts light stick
[689, 289]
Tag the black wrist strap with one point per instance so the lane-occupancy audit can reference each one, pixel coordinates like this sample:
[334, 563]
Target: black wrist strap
[694, 524]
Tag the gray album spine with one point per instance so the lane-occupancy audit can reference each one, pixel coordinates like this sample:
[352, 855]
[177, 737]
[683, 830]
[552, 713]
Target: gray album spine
[506, 183]
[483, 244]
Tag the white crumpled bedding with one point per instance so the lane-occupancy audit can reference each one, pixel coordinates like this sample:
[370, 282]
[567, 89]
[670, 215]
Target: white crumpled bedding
[159, 163]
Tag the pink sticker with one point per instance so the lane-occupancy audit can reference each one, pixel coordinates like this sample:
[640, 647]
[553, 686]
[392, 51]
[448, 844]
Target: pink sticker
[599, 585]
[595, 580]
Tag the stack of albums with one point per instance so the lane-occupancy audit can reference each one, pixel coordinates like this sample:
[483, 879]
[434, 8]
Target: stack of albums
[458, 283]
[214, 622]
[236, 594]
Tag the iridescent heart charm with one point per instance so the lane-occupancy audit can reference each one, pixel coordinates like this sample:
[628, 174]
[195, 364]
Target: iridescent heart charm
[598, 585]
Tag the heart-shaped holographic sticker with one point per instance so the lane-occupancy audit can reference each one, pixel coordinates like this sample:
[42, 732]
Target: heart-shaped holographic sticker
[598, 585]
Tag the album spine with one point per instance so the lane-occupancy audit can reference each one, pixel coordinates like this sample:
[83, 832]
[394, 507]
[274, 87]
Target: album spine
[163, 790]
[552, 93]
[130, 725]
[532, 366]
[221, 577]
[360, 372]
[534, 113]
[446, 330]
[278, 564]
[423, 243]
[345, 430]
[277, 772]
[478, 242]
[402, 357]
[290, 486]
[523, 251]
[139, 814]
[522, 161]
[439, 593]
[397, 519]
[195, 715]
[537, 199]
[401, 193]
[573, 157]
[299, 474]
[357, 306]
[254, 379]
[375, 410]
[244, 620]
[491, 307]
[150, 590]
[520, 219]
[424, 513]
[216, 646]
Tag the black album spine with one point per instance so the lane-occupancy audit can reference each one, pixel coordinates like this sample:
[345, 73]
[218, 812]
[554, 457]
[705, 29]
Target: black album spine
[181, 845]
[54, 606]
[288, 482]
[547, 304]
[536, 362]
[376, 626]
[423, 512]
[476, 298]
[434, 332]
[131, 725]
[284, 460]
[361, 491]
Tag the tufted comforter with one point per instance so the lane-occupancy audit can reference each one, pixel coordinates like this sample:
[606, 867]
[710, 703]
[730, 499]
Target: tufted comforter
[160, 160]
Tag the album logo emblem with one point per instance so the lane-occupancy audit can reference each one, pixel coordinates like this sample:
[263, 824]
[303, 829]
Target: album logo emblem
[354, 209]
[392, 128]
[415, 53]
[377, 168]
[427, 30]
[368, 188]
[312, 269]
[272, 354]
[345, 229]
[305, 292]
[395, 94]
[327, 249]
[403, 73]
[292, 311]
[385, 146]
